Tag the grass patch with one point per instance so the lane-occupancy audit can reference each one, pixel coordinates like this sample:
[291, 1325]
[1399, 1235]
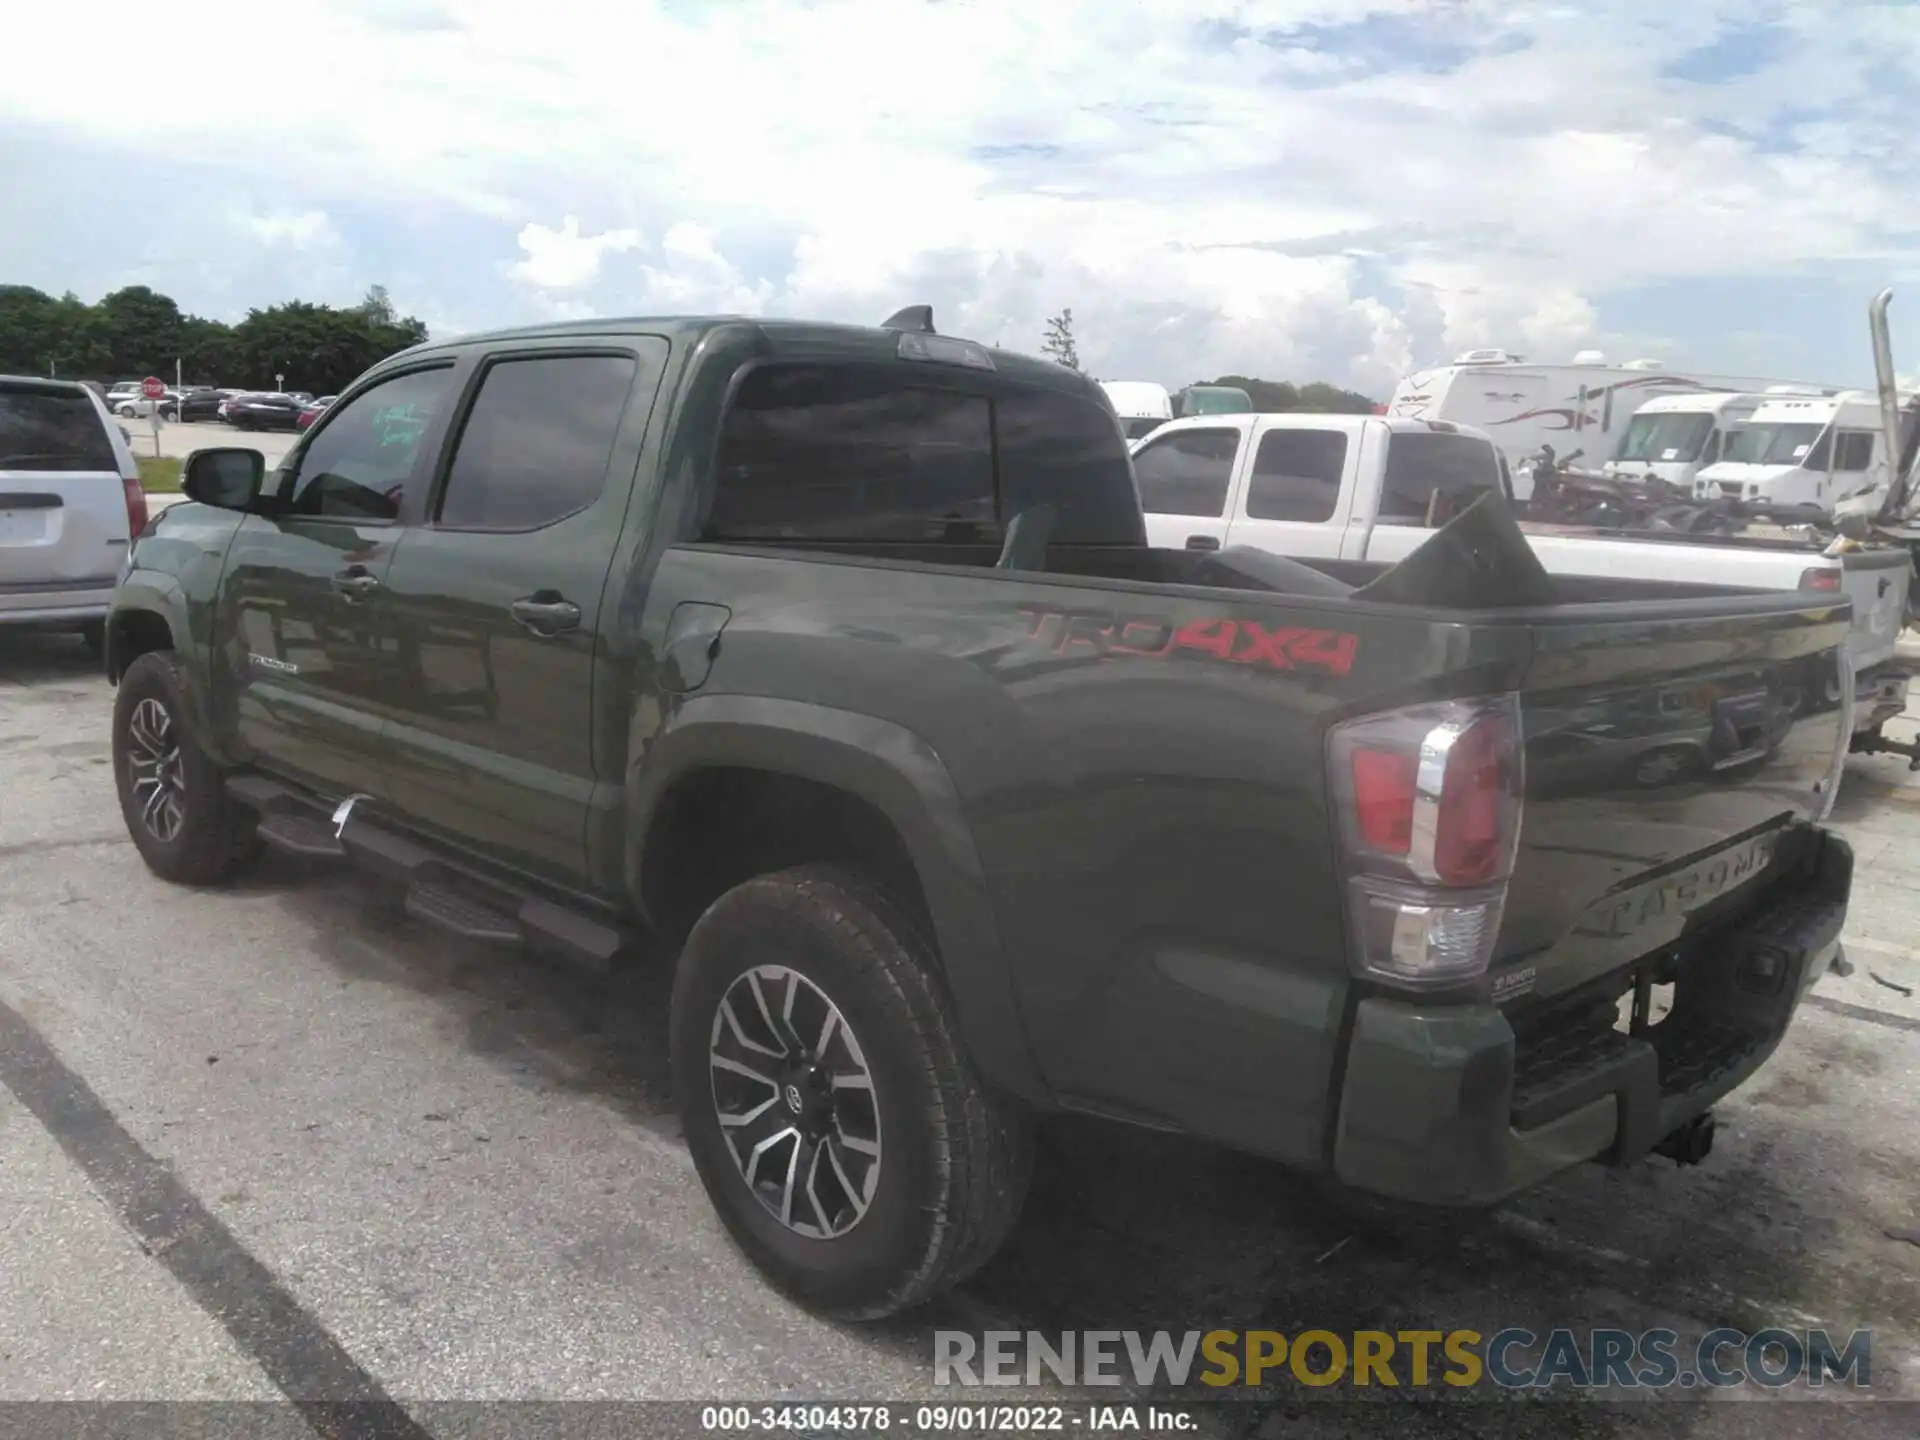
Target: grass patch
[159, 474]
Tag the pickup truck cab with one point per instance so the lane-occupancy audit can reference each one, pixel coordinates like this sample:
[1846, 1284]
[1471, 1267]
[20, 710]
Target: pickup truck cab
[1370, 488]
[831, 666]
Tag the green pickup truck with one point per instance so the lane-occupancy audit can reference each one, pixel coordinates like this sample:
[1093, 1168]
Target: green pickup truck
[836, 659]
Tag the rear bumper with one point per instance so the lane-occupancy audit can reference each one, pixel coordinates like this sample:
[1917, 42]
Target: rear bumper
[1879, 695]
[1447, 1105]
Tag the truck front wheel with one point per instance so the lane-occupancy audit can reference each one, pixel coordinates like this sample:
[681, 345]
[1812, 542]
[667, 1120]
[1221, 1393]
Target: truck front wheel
[171, 792]
[832, 1111]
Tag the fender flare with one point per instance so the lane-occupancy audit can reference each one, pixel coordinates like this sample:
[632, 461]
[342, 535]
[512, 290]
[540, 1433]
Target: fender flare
[901, 775]
[161, 596]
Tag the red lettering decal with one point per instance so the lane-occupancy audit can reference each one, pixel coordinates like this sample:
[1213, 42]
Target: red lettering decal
[1093, 631]
[1037, 615]
[1145, 637]
[1329, 649]
[1268, 648]
[1215, 637]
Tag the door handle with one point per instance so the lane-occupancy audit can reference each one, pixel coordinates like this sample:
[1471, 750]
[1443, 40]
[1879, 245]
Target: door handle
[355, 584]
[546, 614]
[1203, 542]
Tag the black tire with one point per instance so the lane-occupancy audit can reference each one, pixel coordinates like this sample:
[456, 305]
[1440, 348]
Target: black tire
[954, 1158]
[213, 837]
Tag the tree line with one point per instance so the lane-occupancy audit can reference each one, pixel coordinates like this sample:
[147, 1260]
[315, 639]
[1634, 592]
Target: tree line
[136, 331]
[1268, 396]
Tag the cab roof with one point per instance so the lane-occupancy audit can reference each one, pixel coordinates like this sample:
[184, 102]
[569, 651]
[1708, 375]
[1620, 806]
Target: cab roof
[778, 339]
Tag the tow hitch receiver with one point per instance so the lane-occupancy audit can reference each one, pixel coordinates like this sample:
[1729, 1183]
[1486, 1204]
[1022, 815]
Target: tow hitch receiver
[1689, 1144]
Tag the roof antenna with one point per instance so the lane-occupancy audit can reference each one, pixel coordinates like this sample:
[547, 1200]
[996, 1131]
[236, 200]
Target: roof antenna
[915, 318]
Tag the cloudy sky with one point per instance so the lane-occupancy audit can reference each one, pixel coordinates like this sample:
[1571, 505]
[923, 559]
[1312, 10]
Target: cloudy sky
[1296, 189]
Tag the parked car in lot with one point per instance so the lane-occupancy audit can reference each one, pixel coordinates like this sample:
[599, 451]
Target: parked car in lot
[202, 402]
[315, 410]
[124, 398]
[271, 411]
[838, 659]
[70, 501]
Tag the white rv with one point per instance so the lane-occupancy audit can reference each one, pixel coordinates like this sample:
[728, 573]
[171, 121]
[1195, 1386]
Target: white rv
[1807, 452]
[1581, 406]
[1141, 405]
[1674, 437]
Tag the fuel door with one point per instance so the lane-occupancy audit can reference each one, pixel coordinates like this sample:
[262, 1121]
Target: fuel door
[693, 643]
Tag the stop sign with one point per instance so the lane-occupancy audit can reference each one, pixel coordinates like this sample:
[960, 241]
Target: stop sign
[153, 387]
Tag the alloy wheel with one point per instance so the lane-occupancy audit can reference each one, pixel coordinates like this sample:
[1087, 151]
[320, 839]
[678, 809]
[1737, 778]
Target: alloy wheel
[796, 1102]
[153, 760]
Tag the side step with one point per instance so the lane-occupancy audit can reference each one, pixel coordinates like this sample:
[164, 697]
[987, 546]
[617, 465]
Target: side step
[298, 834]
[459, 915]
[441, 889]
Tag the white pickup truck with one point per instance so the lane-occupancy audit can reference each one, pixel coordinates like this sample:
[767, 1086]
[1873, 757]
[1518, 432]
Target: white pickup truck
[1356, 487]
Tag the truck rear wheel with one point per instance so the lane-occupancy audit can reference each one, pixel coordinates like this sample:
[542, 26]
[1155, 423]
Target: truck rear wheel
[171, 792]
[835, 1118]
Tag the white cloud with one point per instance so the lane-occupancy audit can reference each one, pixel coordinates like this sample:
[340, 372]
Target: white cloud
[564, 259]
[1210, 186]
[302, 230]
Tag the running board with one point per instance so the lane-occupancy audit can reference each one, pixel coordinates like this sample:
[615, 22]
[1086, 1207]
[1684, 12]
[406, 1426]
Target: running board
[440, 890]
[295, 834]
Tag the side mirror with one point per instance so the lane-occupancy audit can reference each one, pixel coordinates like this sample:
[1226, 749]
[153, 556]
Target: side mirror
[228, 478]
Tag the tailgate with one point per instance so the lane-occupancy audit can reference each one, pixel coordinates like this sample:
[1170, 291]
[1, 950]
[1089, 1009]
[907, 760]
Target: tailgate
[59, 531]
[1664, 758]
[1876, 581]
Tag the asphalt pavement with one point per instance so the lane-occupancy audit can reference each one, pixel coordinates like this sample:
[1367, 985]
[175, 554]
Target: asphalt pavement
[279, 1139]
[181, 440]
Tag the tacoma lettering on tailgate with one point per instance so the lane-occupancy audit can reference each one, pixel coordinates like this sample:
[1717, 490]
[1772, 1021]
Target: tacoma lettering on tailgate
[1679, 894]
[1239, 642]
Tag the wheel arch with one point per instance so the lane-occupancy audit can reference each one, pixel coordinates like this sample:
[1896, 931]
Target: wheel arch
[740, 754]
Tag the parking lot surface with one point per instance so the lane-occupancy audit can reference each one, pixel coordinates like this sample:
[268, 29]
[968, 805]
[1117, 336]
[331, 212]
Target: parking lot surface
[180, 441]
[280, 1136]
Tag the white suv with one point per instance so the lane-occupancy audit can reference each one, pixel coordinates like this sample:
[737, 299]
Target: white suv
[70, 505]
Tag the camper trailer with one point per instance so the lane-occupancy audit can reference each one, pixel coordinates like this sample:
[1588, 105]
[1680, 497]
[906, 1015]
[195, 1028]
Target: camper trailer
[1583, 406]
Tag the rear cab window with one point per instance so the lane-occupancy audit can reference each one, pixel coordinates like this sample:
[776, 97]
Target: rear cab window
[52, 431]
[1432, 476]
[849, 452]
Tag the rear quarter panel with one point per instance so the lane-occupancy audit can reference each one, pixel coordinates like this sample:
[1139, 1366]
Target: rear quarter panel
[1141, 773]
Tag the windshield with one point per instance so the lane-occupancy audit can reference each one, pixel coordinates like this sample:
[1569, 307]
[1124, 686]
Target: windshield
[1135, 428]
[1678, 437]
[1771, 444]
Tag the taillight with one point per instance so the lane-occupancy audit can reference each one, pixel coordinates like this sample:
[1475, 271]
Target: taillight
[1828, 580]
[1429, 806]
[136, 508]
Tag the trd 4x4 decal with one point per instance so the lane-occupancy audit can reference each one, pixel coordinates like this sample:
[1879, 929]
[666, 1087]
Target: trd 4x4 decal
[1239, 642]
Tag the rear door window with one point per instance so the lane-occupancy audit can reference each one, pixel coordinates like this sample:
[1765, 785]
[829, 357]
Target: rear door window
[536, 443]
[1457, 469]
[826, 452]
[1297, 475]
[52, 430]
[1187, 472]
